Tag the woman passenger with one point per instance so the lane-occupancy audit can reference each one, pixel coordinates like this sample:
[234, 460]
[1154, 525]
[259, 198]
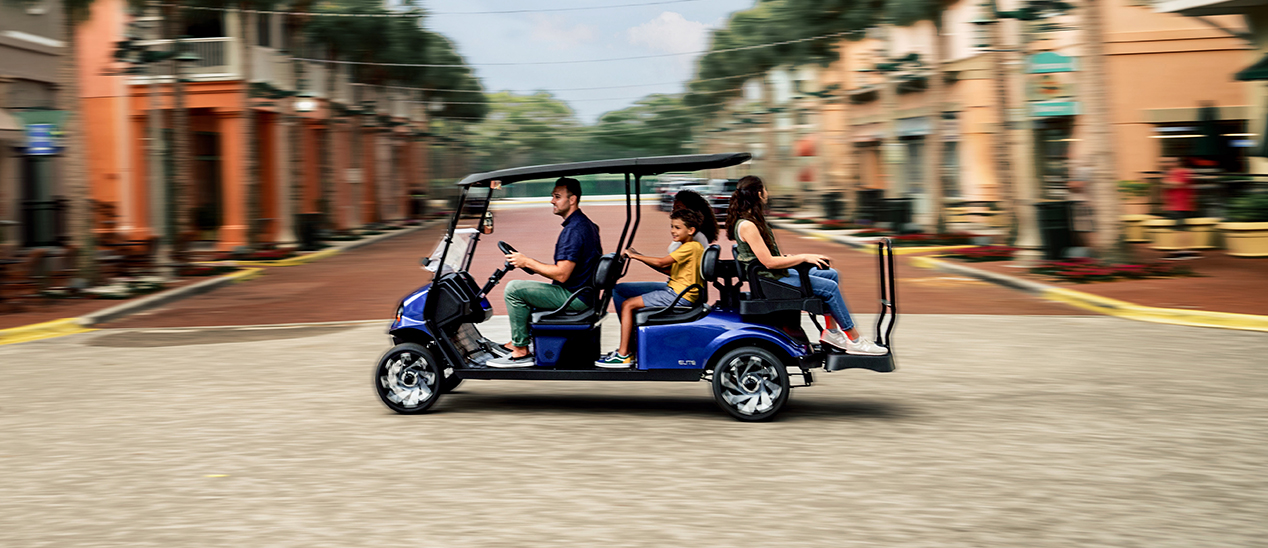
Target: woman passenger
[746, 225]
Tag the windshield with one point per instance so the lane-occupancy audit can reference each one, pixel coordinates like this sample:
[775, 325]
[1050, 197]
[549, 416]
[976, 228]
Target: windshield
[462, 240]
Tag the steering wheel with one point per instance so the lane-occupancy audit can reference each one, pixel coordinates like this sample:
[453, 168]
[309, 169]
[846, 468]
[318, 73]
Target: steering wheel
[506, 249]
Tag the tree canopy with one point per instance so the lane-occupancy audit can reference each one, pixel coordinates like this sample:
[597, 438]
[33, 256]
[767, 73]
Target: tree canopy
[525, 130]
[774, 21]
[398, 40]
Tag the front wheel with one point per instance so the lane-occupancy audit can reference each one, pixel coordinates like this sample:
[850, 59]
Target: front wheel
[750, 383]
[408, 379]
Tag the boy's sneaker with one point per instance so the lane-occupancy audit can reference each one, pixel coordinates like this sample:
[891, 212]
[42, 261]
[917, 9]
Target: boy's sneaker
[613, 360]
[864, 347]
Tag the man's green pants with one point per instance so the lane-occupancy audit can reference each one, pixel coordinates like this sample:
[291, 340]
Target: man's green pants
[524, 296]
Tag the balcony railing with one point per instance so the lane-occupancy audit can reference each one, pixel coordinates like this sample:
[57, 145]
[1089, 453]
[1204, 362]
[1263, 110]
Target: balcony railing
[218, 58]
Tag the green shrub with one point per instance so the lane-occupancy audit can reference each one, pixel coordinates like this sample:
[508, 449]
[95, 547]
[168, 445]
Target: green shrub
[1249, 209]
[1134, 188]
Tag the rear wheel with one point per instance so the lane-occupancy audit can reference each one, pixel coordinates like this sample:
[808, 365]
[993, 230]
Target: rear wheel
[408, 379]
[750, 383]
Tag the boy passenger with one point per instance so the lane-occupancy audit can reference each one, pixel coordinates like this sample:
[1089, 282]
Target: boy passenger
[684, 272]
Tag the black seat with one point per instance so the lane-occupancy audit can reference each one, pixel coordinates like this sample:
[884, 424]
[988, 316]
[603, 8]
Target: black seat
[606, 272]
[680, 314]
[766, 296]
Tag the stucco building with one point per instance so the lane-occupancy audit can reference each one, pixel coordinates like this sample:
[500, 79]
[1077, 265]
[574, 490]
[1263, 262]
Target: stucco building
[33, 191]
[321, 143]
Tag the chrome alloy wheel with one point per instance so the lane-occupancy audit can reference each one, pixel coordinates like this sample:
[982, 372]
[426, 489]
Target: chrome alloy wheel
[752, 384]
[407, 379]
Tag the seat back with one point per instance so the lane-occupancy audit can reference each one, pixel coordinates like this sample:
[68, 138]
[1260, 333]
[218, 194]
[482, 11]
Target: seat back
[606, 274]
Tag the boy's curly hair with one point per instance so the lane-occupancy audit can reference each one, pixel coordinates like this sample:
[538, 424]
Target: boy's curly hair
[688, 217]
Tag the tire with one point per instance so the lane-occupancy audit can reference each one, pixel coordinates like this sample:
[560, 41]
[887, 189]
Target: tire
[750, 383]
[408, 379]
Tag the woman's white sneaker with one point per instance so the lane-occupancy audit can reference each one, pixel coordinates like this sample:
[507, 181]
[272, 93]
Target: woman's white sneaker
[835, 338]
[864, 347]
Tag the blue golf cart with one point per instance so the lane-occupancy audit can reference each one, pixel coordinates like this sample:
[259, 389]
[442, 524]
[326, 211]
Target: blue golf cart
[744, 340]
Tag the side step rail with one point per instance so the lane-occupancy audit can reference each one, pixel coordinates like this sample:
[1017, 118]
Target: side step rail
[889, 300]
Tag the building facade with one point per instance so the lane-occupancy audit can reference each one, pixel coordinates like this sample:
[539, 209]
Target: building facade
[872, 112]
[274, 145]
[33, 193]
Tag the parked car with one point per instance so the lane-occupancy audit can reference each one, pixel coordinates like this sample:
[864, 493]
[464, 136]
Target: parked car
[670, 187]
[720, 196]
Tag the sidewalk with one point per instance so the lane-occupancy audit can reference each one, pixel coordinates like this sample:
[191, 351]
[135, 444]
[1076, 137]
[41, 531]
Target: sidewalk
[54, 317]
[1227, 292]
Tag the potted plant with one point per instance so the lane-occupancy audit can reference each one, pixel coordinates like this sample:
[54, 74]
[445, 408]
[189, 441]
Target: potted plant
[1246, 231]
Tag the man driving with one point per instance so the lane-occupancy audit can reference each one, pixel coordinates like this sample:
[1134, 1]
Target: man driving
[576, 254]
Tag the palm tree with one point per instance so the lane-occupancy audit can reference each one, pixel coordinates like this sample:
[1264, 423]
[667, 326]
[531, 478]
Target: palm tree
[1108, 241]
[80, 214]
[180, 139]
[252, 180]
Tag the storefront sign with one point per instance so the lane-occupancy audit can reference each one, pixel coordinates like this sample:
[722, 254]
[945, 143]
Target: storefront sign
[1050, 84]
[43, 131]
[1054, 108]
[39, 140]
[1050, 62]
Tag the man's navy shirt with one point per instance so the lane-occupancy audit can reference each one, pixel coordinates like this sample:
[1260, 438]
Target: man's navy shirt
[579, 242]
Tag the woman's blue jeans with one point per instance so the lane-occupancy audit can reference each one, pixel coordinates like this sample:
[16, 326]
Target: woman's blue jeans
[825, 285]
[629, 290]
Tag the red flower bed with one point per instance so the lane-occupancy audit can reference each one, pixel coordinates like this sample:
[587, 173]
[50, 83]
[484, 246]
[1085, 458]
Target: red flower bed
[1084, 270]
[984, 253]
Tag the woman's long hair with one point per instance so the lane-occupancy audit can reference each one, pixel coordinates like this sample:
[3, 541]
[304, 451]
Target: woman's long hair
[692, 200]
[746, 204]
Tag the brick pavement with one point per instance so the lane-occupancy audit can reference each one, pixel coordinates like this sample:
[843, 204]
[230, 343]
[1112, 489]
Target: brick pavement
[366, 283]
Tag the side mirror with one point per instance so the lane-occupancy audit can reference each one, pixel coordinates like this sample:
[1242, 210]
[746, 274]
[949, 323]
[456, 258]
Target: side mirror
[486, 224]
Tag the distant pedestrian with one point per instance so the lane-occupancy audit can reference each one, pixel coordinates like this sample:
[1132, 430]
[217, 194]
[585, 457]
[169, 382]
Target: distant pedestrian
[1081, 213]
[1179, 197]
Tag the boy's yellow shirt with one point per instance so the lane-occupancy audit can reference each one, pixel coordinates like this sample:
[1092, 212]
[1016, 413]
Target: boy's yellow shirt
[686, 269]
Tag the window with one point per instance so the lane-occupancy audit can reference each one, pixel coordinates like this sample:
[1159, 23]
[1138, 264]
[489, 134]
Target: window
[204, 24]
[1226, 148]
[951, 168]
[264, 27]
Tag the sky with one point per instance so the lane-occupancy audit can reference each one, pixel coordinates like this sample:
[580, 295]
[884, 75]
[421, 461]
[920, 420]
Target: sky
[667, 26]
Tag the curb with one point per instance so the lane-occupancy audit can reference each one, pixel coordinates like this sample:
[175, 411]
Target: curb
[332, 251]
[82, 324]
[45, 330]
[1106, 305]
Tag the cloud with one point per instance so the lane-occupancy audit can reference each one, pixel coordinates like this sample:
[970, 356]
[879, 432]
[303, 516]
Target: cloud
[557, 34]
[670, 32]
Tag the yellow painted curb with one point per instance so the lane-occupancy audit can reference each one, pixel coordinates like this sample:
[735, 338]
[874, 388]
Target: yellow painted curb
[1131, 311]
[46, 330]
[1173, 316]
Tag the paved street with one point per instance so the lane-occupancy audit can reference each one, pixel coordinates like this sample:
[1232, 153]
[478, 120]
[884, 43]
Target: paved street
[996, 431]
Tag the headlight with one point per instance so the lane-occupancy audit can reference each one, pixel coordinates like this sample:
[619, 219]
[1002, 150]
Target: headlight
[400, 310]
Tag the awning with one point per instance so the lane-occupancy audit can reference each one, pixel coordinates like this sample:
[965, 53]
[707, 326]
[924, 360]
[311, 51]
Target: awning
[10, 128]
[1257, 71]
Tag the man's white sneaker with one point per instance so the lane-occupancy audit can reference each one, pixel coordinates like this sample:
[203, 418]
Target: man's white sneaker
[865, 347]
[507, 362]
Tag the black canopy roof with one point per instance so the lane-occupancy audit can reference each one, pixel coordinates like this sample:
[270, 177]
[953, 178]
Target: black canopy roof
[638, 166]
